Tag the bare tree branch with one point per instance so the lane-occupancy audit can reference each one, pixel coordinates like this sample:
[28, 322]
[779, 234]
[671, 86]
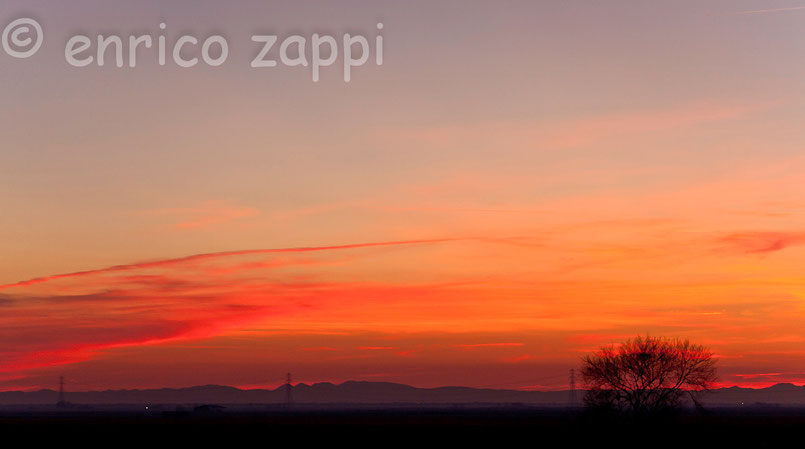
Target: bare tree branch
[647, 374]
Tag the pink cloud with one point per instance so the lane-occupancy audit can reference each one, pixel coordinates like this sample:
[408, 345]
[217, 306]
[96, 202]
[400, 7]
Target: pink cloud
[208, 214]
[759, 242]
[578, 132]
[489, 345]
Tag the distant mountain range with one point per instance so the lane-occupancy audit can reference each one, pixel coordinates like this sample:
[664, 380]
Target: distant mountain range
[374, 393]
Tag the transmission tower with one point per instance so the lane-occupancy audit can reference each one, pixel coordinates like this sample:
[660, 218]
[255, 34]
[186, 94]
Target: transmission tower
[572, 400]
[61, 403]
[288, 392]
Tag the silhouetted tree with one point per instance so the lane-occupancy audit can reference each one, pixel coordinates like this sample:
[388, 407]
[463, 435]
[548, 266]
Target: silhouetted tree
[646, 375]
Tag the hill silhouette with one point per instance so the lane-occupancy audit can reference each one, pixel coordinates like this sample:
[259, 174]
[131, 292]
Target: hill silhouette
[354, 392]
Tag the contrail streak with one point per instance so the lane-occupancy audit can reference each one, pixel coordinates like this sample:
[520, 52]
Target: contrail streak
[762, 11]
[196, 257]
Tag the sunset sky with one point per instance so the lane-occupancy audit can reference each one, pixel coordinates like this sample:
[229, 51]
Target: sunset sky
[519, 183]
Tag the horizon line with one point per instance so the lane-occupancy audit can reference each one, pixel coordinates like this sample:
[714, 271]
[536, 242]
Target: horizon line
[722, 387]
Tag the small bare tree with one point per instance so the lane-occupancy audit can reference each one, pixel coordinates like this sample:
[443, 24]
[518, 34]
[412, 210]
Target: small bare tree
[646, 375]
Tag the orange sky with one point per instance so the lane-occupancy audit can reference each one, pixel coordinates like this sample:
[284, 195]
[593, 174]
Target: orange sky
[478, 211]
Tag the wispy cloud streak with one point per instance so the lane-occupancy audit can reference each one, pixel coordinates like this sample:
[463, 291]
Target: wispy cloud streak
[206, 256]
[765, 11]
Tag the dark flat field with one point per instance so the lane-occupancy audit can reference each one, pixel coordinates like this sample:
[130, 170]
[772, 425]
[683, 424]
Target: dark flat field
[382, 427]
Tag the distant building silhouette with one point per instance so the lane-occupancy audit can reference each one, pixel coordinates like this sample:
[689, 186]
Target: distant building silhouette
[209, 409]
